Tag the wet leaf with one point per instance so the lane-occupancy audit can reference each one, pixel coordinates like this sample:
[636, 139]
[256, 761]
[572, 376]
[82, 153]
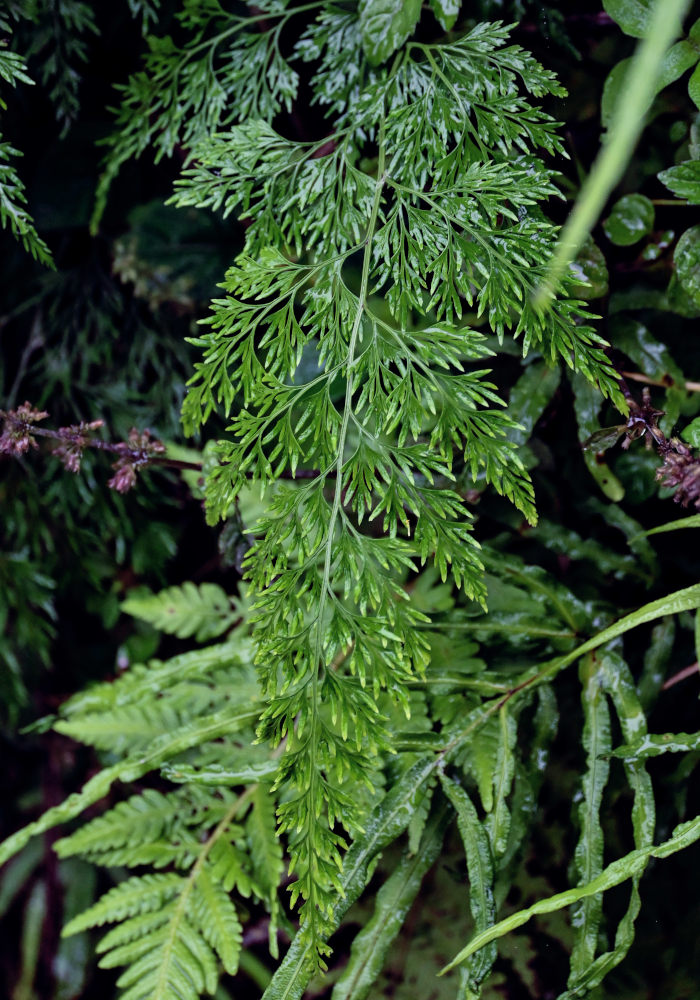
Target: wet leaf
[679, 58]
[445, 12]
[385, 25]
[687, 261]
[606, 437]
[587, 405]
[691, 433]
[530, 396]
[619, 871]
[652, 746]
[631, 219]
[590, 272]
[694, 86]
[684, 179]
[632, 15]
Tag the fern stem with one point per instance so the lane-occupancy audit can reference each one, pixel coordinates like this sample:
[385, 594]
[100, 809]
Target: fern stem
[338, 492]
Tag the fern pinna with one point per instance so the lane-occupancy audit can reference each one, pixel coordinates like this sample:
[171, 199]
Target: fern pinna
[342, 348]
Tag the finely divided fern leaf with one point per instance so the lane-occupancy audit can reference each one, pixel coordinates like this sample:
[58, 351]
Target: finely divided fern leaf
[203, 611]
[368, 272]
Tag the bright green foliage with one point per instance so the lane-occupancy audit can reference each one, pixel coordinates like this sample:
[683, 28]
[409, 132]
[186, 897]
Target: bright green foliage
[631, 219]
[619, 871]
[203, 611]
[371, 379]
[214, 832]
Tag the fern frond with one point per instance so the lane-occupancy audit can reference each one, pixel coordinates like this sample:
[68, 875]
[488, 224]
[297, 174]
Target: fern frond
[445, 219]
[589, 850]
[13, 211]
[203, 611]
[172, 928]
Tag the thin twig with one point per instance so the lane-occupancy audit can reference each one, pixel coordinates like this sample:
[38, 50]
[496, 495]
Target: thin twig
[665, 383]
[36, 340]
[686, 672]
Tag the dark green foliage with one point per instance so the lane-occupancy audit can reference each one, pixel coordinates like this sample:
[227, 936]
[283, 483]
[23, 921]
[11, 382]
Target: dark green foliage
[381, 709]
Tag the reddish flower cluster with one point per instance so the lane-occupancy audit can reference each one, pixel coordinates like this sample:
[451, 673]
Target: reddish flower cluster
[140, 449]
[17, 436]
[75, 440]
[681, 472]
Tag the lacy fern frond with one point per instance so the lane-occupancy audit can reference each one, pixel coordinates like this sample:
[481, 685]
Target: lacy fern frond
[339, 347]
[226, 71]
[172, 930]
[203, 611]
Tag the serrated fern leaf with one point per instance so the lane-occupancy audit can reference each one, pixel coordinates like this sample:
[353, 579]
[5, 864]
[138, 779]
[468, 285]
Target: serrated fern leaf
[393, 901]
[203, 611]
[137, 684]
[173, 927]
[164, 748]
[149, 828]
[266, 853]
[385, 823]
[480, 869]
[444, 218]
[589, 850]
[137, 895]
[619, 684]
[619, 871]
[13, 211]
[185, 92]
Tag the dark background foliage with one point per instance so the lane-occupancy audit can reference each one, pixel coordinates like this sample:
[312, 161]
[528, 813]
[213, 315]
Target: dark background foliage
[102, 337]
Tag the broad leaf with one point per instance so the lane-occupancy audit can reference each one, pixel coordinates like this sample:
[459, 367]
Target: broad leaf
[631, 218]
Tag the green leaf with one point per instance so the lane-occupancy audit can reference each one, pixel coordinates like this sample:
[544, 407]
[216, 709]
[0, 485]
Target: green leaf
[529, 398]
[687, 599]
[587, 405]
[655, 745]
[497, 822]
[590, 272]
[683, 180]
[392, 903]
[13, 211]
[387, 821]
[386, 24]
[249, 771]
[691, 433]
[481, 875]
[693, 521]
[132, 768]
[633, 16]
[619, 871]
[694, 86]
[679, 58]
[266, 852]
[446, 12]
[589, 850]
[203, 611]
[687, 262]
[619, 684]
[656, 660]
[631, 218]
